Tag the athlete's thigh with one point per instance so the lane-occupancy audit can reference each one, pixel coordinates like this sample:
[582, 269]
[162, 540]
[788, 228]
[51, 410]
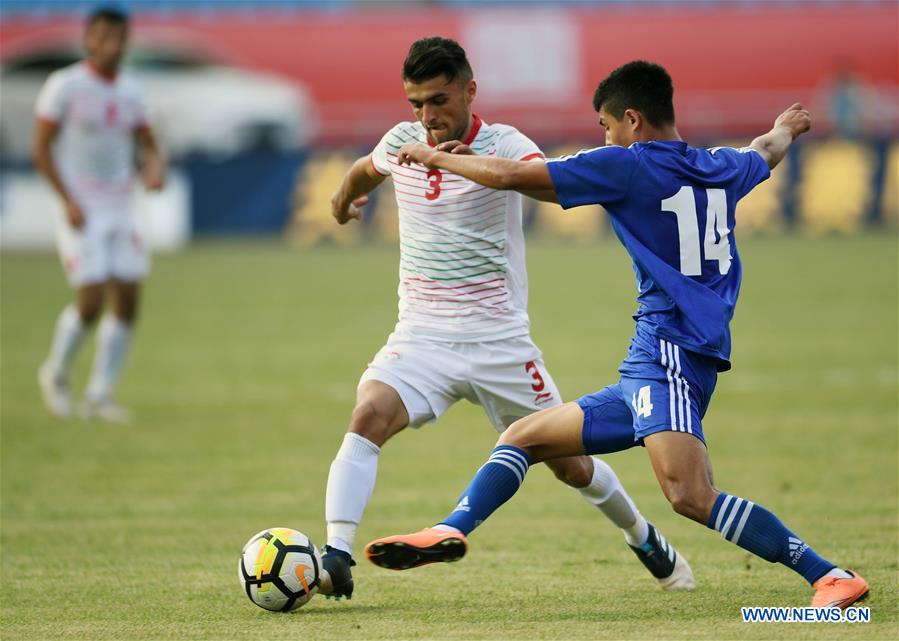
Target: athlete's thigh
[553, 433]
[424, 373]
[510, 381]
[678, 459]
[608, 421]
[129, 260]
[124, 296]
[380, 412]
[682, 467]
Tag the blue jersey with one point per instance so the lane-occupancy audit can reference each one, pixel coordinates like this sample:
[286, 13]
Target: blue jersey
[672, 206]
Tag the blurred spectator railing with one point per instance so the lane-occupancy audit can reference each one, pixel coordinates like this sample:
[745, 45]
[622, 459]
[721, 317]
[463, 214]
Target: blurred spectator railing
[831, 185]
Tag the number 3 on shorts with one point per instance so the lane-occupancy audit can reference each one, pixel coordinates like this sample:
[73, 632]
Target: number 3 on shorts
[531, 368]
[642, 402]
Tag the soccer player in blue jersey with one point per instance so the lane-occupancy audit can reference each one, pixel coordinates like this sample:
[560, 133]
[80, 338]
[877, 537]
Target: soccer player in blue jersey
[673, 208]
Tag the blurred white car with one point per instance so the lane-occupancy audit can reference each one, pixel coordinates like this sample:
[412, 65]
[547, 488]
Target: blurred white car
[197, 104]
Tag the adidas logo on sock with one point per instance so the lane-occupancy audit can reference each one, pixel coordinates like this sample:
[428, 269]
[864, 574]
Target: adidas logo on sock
[797, 549]
[463, 505]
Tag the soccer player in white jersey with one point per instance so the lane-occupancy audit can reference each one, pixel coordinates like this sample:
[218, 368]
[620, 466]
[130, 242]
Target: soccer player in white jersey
[463, 329]
[90, 117]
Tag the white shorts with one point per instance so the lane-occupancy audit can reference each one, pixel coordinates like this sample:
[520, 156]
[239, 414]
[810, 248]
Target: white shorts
[506, 377]
[109, 246]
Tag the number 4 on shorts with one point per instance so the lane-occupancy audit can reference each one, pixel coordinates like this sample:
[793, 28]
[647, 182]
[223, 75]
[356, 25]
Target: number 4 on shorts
[641, 402]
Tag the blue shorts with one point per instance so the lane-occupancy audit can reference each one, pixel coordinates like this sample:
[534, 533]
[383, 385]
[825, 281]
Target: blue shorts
[662, 387]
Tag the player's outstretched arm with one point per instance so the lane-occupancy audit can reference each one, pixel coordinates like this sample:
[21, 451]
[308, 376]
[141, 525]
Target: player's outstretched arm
[789, 125]
[458, 147]
[353, 192]
[496, 173]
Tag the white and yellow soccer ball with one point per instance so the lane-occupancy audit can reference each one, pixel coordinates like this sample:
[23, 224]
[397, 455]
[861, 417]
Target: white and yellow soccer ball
[280, 569]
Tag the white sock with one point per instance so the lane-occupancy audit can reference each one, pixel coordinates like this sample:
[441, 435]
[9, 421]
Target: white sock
[839, 574]
[606, 493]
[113, 339]
[447, 528]
[67, 337]
[350, 484]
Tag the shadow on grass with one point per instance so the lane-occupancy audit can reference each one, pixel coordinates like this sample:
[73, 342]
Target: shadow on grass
[336, 610]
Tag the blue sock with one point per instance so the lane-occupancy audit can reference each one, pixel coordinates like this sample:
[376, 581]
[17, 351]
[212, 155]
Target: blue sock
[754, 528]
[494, 484]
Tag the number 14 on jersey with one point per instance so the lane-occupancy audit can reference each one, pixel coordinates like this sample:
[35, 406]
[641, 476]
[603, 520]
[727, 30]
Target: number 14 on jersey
[716, 243]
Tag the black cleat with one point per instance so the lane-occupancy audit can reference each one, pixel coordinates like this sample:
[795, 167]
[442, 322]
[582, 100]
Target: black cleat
[661, 559]
[337, 564]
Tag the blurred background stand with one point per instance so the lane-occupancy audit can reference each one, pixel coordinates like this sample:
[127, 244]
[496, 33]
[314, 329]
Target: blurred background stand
[262, 105]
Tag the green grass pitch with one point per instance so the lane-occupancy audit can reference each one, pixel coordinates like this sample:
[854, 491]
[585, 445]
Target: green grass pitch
[242, 379]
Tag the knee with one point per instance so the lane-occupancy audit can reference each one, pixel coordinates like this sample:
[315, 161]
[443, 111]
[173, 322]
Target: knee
[90, 312]
[368, 422]
[124, 308]
[521, 434]
[693, 503]
[572, 472]
[126, 315]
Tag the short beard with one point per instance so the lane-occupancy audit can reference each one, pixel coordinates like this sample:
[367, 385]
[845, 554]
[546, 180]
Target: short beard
[457, 135]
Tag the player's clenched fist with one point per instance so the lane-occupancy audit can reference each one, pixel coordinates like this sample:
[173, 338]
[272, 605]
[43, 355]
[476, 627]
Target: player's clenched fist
[345, 212]
[797, 119]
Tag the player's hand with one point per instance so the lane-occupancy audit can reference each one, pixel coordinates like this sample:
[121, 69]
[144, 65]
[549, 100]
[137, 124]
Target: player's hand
[797, 119]
[153, 176]
[74, 214]
[352, 211]
[456, 147]
[417, 152]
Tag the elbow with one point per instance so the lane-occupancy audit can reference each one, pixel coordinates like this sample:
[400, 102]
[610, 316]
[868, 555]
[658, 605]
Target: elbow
[772, 159]
[767, 154]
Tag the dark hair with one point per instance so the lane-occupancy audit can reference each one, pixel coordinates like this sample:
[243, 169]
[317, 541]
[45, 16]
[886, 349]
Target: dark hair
[110, 12]
[432, 57]
[640, 85]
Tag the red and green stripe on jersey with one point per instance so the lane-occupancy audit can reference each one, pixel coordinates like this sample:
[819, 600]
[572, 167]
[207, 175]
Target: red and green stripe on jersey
[462, 271]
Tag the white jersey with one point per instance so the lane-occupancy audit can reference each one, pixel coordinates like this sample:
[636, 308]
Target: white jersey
[97, 116]
[462, 274]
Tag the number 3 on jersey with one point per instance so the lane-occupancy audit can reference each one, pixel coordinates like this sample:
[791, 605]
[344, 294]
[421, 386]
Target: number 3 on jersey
[717, 247]
[434, 178]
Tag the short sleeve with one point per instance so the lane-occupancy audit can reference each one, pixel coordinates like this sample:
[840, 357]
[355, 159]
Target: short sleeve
[515, 145]
[594, 176]
[379, 160]
[51, 101]
[751, 167]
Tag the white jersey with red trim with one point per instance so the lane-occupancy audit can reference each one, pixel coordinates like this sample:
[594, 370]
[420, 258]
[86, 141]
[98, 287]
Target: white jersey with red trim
[97, 115]
[462, 270]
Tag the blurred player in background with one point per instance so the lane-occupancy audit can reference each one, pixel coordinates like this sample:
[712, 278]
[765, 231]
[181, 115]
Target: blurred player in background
[463, 328]
[673, 208]
[90, 117]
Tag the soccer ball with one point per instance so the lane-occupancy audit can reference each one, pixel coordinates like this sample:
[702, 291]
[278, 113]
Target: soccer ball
[280, 569]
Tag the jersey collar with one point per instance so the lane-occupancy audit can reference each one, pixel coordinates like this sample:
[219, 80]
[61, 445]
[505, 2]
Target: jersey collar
[475, 128]
[102, 75]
